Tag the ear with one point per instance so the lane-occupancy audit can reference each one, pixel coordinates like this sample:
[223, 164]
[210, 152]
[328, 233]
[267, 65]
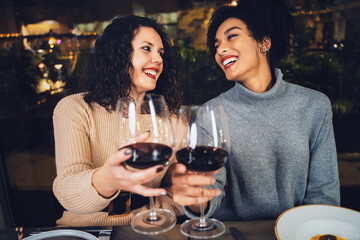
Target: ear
[264, 46]
[266, 42]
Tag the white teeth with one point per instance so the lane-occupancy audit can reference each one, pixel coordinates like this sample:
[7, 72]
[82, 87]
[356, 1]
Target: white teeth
[150, 72]
[229, 61]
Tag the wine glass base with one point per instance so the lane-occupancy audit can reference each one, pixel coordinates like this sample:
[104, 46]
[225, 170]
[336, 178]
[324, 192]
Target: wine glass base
[164, 221]
[213, 228]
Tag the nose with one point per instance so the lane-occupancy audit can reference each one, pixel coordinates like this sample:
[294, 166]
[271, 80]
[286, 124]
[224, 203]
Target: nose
[221, 49]
[156, 58]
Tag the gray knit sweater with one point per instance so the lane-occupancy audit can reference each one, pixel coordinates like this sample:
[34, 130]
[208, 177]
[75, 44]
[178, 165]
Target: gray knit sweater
[282, 155]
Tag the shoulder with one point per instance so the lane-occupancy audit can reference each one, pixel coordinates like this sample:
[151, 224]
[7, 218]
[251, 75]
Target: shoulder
[312, 104]
[74, 107]
[70, 103]
[307, 96]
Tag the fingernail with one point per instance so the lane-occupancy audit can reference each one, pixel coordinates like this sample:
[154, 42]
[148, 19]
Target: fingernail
[213, 180]
[159, 169]
[128, 151]
[163, 193]
[218, 192]
[166, 164]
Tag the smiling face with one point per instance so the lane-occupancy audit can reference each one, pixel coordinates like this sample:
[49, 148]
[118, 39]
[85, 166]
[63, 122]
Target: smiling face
[238, 53]
[146, 59]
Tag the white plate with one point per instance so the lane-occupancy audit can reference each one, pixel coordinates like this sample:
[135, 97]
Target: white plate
[305, 222]
[62, 233]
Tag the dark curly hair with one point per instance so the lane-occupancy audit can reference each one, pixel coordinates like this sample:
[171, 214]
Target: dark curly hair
[270, 18]
[108, 71]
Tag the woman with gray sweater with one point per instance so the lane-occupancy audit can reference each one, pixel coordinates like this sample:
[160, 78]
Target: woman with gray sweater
[283, 150]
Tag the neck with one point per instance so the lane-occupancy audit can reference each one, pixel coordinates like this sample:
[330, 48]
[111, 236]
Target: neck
[138, 97]
[261, 81]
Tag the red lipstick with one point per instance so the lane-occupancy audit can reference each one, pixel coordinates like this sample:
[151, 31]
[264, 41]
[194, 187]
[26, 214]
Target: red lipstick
[223, 60]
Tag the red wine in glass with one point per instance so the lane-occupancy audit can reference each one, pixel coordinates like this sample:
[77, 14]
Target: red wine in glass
[146, 155]
[202, 158]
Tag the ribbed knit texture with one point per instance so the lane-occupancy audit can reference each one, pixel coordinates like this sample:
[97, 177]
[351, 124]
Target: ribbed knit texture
[283, 151]
[84, 139]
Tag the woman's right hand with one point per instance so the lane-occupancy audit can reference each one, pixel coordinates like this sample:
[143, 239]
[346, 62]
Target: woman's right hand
[113, 175]
[186, 187]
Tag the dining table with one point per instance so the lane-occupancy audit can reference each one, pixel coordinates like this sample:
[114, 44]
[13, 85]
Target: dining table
[247, 230]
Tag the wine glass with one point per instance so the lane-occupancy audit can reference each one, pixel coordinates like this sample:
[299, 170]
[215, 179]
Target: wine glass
[204, 147]
[149, 113]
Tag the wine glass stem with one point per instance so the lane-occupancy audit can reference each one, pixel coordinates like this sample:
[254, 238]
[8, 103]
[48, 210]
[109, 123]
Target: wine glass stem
[202, 222]
[152, 216]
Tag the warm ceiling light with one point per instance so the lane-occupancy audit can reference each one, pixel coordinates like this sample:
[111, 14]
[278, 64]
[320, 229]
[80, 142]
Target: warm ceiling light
[41, 65]
[52, 41]
[58, 66]
[234, 3]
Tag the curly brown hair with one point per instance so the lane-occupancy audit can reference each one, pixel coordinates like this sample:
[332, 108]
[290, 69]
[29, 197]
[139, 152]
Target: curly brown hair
[108, 71]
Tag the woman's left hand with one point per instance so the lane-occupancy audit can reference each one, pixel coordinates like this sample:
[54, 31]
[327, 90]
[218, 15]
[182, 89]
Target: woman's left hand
[114, 176]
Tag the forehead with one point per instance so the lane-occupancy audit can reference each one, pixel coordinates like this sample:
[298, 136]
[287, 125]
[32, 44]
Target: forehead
[229, 23]
[147, 34]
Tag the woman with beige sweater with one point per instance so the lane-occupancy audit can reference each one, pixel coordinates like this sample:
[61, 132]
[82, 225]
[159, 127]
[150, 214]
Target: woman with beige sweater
[130, 58]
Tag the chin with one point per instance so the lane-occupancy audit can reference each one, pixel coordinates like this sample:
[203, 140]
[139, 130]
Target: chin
[150, 88]
[230, 78]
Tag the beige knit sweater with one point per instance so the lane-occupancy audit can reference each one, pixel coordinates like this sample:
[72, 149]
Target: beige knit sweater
[84, 139]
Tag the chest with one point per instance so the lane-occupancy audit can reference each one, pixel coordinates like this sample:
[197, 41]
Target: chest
[269, 135]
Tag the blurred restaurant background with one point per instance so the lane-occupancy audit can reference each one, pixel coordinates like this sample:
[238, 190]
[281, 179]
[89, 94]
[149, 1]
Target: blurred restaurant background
[44, 45]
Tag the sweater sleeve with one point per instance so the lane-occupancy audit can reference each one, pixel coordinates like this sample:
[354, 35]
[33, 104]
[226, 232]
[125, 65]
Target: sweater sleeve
[73, 184]
[323, 180]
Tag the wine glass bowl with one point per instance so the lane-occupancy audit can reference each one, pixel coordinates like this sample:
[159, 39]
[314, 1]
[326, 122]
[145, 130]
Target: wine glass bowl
[204, 148]
[202, 158]
[150, 114]
[146, 155]
[147, 114]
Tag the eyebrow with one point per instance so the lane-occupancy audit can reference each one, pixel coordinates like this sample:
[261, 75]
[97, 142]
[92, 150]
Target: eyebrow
[147, 43]
[230, 29]
[227, 31]
[151, 44]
